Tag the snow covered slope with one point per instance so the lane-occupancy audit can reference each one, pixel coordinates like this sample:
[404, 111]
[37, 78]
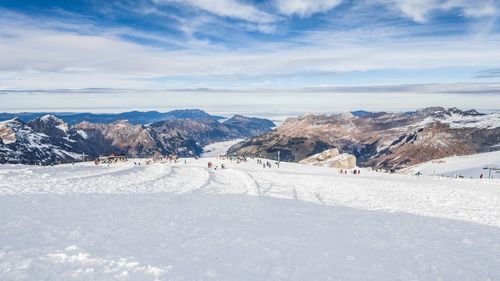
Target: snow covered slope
[467, 166]
[296, 222]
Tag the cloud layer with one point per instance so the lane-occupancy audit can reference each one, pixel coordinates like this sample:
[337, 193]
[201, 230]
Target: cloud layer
[305, 8]
[420, 10]
[236, 44]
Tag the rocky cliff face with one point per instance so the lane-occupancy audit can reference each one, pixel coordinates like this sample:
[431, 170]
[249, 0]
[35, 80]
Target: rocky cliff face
[48, 139]
[381, 140]
[117, 137]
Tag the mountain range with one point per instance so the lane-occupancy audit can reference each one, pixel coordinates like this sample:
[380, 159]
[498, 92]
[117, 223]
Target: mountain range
[381, 140]
[134, 117]
[48, 139]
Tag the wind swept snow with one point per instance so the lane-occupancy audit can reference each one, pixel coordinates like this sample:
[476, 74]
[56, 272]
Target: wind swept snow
[296, 222]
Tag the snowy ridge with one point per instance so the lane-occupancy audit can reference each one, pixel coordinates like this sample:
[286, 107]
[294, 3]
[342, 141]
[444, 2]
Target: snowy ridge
[457, 121]
[460, 121]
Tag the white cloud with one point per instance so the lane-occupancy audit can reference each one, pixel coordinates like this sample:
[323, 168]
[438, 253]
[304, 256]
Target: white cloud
[420, 10]
[228, 8]
[305, 8]
[39, 56]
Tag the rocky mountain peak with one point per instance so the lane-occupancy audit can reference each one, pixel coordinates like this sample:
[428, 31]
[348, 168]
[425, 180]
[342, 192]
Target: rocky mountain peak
[456, 111]
[122, 123]
[49, 118]
[347, 115]
[7, 134]
[443, 113]
[10, 122]
[430, 111]
[49, 125]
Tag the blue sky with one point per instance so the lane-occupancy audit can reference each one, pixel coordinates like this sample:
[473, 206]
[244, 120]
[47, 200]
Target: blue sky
[252, 46]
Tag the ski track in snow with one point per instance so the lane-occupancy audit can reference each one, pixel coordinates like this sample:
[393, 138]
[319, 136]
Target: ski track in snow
[297, 222]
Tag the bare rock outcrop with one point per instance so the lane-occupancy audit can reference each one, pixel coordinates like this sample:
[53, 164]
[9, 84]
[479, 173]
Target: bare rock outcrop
[331, 158]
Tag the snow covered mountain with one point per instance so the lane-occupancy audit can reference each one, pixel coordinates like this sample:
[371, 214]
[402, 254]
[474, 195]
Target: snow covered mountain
[48, 139]
[21, 143]
[381, 140]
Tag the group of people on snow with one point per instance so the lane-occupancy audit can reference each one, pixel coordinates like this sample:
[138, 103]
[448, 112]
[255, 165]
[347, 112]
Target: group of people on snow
[210, 165]
[239, 159]
[354, 172]
[267, 164]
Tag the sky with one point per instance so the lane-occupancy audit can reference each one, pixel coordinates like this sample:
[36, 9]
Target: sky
[276, 55]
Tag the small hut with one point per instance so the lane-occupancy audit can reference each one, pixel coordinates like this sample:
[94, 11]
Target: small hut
[112, 158]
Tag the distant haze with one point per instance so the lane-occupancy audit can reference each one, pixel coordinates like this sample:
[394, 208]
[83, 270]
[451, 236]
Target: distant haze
[269, 103]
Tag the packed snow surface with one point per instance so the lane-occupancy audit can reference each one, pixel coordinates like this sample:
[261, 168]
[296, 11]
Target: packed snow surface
[467, 166]
[183, 221]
